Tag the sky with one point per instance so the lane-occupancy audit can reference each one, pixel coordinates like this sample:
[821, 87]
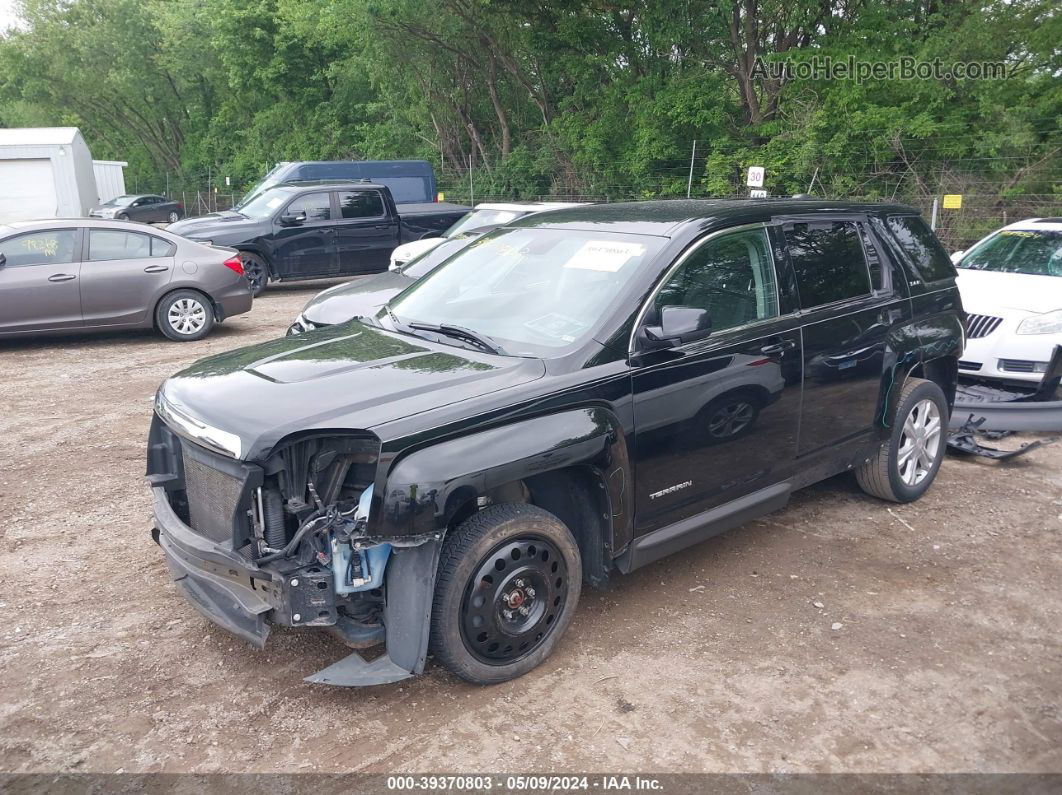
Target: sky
[7, 14]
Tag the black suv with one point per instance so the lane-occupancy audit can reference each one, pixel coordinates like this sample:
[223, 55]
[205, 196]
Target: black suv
[577, 394]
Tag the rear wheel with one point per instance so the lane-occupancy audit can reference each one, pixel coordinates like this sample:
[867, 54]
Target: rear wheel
[173, 217]
[509, 580]
[904, 469]
[185, 316]
[256, 270]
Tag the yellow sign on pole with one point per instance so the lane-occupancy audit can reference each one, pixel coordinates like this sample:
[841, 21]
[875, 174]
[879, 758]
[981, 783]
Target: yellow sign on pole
[952, 201]
[440, 197]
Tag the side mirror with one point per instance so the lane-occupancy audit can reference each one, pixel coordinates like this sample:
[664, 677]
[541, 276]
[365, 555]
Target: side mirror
[292, 220]
[956, 257]
[679, 325]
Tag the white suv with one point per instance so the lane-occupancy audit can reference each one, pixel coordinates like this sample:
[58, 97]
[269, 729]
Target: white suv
[484, 217]
[1011, 285]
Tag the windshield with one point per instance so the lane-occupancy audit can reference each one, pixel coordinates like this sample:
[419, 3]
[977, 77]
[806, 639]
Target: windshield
[268, 181]
[532, 290]
[477, 219]
[1037, 252]
[118, 201]
[265, 205]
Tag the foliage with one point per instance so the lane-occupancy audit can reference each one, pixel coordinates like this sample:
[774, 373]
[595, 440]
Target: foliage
[595, 98]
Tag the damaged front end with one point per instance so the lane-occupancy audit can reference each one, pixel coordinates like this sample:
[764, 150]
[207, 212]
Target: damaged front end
[288, 542]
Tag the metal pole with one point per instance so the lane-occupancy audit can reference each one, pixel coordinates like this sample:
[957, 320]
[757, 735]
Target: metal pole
[933, 218]
[689, 182]
[471, 189]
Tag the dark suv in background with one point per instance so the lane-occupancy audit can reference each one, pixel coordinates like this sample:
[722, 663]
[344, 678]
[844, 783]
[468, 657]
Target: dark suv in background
[575, 396]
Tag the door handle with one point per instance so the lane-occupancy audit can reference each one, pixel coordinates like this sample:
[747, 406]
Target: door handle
[778, 347]
[61, 277]
[382, 226]
[156, 268]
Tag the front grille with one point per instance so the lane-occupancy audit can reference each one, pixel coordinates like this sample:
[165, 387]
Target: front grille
[1017, 366]
[964, 365]
[213, 495]
[978, 326]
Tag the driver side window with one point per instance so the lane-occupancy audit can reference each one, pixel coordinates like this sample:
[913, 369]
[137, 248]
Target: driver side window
[732, 277]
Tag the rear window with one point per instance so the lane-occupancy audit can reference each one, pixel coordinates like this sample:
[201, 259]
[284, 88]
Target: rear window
[921, 246]
[112, 244]
[828, 261]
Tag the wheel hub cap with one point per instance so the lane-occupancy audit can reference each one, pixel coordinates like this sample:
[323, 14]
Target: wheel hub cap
[186, 316]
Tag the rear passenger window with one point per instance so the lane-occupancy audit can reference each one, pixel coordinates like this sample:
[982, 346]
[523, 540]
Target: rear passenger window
[921, 246]
[106, 244]
[828, 261]
[361, 204]
[162, 248]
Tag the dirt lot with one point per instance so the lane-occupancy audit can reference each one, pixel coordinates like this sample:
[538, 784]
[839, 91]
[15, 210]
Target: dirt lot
[946, 656]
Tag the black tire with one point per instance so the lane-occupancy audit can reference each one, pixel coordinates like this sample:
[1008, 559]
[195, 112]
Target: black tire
[257, 272]
[185, 315]
[122, 217]
[887, 474]
[508, 558]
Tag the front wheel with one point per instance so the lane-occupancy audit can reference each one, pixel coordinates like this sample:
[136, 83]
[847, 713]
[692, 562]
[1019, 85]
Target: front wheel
[122, 217]
[904, 469]
[508, 583]
[257, 272]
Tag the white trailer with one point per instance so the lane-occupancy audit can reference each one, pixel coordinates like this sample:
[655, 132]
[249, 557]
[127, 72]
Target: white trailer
[110, 178]
[45, 172]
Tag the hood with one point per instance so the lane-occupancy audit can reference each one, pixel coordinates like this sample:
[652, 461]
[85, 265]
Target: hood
[986, 292]
[415, 248]
[358, 298]
[350, 376]
[226, 223]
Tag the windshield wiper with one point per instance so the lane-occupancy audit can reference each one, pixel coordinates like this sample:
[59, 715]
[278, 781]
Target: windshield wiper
[460, 332]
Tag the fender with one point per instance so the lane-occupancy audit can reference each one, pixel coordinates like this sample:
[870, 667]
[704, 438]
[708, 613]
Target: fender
[917, 345]
[421, 494]
[422, 490]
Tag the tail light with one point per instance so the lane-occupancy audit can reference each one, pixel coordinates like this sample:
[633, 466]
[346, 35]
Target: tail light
[234, 264]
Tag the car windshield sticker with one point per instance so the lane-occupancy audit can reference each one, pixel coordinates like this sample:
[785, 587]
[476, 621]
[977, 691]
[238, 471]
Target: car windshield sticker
[274, 202]
[604, 255]
[557, 326]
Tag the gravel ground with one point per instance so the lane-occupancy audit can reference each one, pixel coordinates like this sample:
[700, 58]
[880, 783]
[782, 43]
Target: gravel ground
[842, 634]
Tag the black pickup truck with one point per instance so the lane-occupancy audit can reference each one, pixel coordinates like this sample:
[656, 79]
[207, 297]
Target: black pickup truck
[319, 229]
[573, 396]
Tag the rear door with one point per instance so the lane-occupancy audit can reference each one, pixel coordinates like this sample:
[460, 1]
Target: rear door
[304, 244]
[849, 304]
[39, 284]
[365, 235]
[121, 275]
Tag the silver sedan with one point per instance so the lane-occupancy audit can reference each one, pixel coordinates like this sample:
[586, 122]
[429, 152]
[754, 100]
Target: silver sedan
[79, 274]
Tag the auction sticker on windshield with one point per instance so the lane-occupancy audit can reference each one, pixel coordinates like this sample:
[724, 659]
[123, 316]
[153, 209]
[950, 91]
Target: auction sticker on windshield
[604, 255]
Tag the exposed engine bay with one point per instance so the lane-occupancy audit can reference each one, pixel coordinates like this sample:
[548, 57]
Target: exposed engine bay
[309, 523]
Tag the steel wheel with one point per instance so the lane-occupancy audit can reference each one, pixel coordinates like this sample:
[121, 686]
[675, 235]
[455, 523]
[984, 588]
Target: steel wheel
[919, 442]
[186, 316]
[731, 419]
[513, 599]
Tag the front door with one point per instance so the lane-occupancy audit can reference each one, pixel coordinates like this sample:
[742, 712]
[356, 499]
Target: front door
[717, 418]
[39, 281]
[121, 275]
[304, 237]
[365, 235]
[850, 303]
